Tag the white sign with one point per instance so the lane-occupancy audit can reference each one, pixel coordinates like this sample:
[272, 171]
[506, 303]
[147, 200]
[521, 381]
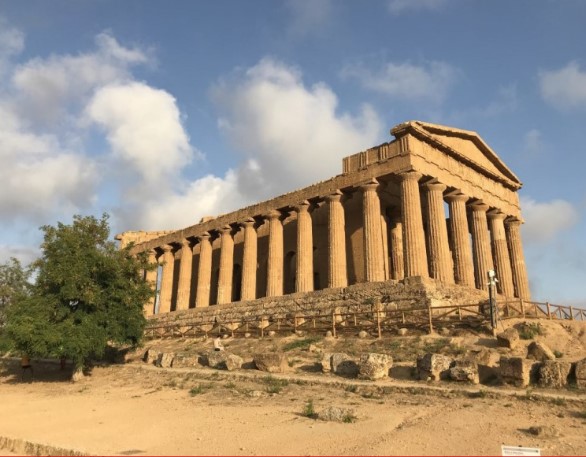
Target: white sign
[518, 450]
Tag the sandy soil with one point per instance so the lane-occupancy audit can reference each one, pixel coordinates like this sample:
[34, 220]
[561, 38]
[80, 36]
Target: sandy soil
[136, 409]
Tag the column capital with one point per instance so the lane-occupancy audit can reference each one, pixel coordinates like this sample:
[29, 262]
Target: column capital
[479, 207]
[335, 196]
[273, 214]
[248, 222]
[226, 229]
[456, 197]
[185, 243]
[369, 186]
[410, 176]
[434, 185]
[496, 214]
[167, 248]
[204, 236]
[302, 207]
[514, 221]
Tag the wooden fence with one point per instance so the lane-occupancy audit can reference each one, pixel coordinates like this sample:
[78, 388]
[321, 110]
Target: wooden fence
[378, 318]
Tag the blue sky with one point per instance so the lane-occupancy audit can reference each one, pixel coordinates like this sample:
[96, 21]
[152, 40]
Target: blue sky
[161, 112]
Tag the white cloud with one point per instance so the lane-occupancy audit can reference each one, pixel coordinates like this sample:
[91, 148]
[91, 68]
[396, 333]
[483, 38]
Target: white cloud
[545, 220]
[46, 86]
[309, 16]
[402, 6]
[430, 81]
[533, 142]
[143, 127]
[11, 40]
[294, 133]
[564, 88]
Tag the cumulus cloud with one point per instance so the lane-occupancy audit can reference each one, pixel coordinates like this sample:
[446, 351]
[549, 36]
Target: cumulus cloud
[143, 127]
[545, 220]
[533, 142]
[294, 134]
[429, 81]
[564, 88]
[403, 6]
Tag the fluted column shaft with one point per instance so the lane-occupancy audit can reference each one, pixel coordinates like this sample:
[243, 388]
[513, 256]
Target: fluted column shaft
[462, 254]
[439, 248]
[481, 246]
[413, 234]
[185, 265]
[168, 261]
[337, 271]
[515, 244]
[304, 278]
[204, 274]
[501, 254]
[151, 279]
[226, 266]
[373, 241]
[275, 260]
[249, 261]
[397, 259]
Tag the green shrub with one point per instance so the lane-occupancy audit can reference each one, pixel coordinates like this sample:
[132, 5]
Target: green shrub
[349, 418]
[300, 344]
[530, 331]
[558, 354]
[309, 410]
[275, 385]
[200, 389]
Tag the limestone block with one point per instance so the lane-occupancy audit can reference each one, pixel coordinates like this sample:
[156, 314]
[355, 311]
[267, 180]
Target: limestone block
[233, 362]
[271, 362]
[465, 371]
[402, 331]
[553, 373]
[217, 359]
[508, 339]
[326, 362]
[184, 361]
[433, 366]
[336, 414]
[515, 371]
[344, 365]
[362, 334]
[581, 373]
[151, 356]
[374, 366]
[165, 359]
[487, 361]
[539, 351]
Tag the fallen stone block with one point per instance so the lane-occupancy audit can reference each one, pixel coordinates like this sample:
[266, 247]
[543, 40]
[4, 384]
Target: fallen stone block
[508, 339]
[165, 359]
[326, 362]
[465, 371]
[344, 365]
[540, 352]
[184, 361]
[553, 373]
[336, 414]
[581, 374]
[515, 371]
[374, 366]
[271, 362]
[151, 356]
[433, 367]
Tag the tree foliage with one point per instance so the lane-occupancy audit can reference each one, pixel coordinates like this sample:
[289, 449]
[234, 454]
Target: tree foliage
[88, 294]
[14, 285]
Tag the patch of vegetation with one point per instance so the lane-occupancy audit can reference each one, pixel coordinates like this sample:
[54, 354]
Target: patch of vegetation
[530, 331]
[349, 418]
[581, 414]
[478, 394]
[200, 389]
[559, 401]
[436, 345]
[351, 388]
[309, 410]
[230, 385]
[558, 354]
[394, 345]
[274, 385]
[300, 344]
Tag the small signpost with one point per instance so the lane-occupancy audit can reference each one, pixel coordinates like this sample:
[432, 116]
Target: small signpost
[518, 450]
[492, 299]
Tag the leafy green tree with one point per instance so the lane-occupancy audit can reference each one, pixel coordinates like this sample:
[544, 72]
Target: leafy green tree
[88, 294]
[14, 284]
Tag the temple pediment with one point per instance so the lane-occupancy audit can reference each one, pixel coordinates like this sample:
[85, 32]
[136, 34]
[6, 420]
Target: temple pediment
[464, 145]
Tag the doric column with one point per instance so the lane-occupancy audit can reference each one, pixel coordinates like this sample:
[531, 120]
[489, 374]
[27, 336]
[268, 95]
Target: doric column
[481, 245]
[275, 261]
[226, 265]
[439, 248]
[413, 234]
[168, 261]
[204, 274]
[384, 230]
[517, 258]
[249, 261]
[151, 279]
[501, 253]
[184, 286]
[397, 259]
[304, 279]
[372, 236]
[337, 270]
[462, 253]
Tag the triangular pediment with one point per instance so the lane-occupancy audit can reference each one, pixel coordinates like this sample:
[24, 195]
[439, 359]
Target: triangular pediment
[464, 145]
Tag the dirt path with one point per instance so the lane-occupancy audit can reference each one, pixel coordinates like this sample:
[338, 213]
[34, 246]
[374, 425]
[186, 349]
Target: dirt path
[122, 410]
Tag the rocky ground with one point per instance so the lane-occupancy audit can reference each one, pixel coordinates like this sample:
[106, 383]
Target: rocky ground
[140, 409]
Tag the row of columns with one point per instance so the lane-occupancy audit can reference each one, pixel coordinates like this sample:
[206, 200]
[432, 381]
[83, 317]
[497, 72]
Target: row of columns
[458, 262]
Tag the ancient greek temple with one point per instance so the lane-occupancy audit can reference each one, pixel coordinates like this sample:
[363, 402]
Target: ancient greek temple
[436, 202]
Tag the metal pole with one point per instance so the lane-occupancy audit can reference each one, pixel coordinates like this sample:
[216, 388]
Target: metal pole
[492, 299]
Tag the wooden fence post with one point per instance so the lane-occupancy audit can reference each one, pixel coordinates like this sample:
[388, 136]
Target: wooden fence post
[378, 305]
[430, 320]
[548, 310]
[571, 313]
[334, 323]
[522, 307]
